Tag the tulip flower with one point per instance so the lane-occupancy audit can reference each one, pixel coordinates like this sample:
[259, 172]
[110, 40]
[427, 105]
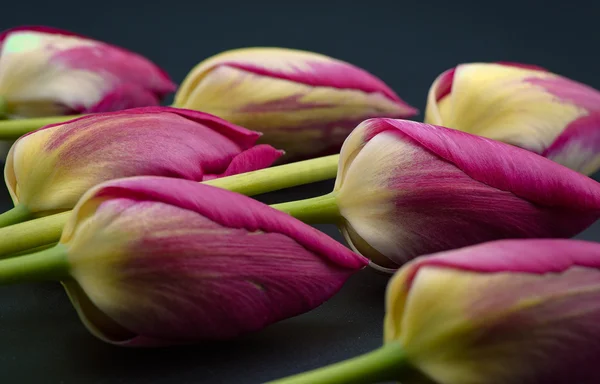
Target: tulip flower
[48, 170]
[522, 105]
[509, 312]
[305, 103]
[46, 71]
[153, 261]
[405, 189]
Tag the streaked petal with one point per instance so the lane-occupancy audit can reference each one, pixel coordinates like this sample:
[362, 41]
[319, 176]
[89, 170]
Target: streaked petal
[501, 312]
[46, 71]
[202, 262]
[49, 169]
[294, 97]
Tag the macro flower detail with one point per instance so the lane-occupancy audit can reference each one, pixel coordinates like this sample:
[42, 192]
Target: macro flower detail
[405, 189]
[522, 105]
[159, 261]
[48, 170]
[47, 71]
[510, 311]
[305, 103]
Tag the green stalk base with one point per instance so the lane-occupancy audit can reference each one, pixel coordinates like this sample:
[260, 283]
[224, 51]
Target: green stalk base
[316, 210]
[48, 265]
[15, 215]
[279, 177]
[387, 363]
[32, 234]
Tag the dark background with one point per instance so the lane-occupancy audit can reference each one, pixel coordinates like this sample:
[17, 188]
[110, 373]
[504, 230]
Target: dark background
[406, 43]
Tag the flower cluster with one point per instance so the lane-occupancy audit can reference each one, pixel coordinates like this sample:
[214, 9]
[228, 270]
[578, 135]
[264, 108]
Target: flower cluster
[143, 212]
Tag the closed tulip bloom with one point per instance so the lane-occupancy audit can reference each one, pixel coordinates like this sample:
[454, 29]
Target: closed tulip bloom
[522, 105]
[511, 311]
[156, 261]
[46, 71]
[48, 170]
[406, 189]
[305, 103]
[503, 312]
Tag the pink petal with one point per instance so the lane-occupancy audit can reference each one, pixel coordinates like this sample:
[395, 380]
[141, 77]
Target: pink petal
[502, 166]
[51, 168]
[134, 78]
[234, 211]
[213, 264]
[240, 135]
[326, 72]
[258, 157]
[537, 256]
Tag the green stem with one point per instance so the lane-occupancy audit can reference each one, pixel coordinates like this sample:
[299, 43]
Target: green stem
[13, 129]
[31, 250]
[49, 264]
[383, 364]
[316, 210]
[35, 233]
[280, 177]
[14, 215]
[32, 234]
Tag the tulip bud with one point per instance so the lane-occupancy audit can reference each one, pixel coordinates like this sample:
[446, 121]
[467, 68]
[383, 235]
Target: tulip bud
[304, 102]
[48, 170]
[522, 105]
[406, 189]
[155, 261]
[46, 71]
[511, 311]
[504, 312]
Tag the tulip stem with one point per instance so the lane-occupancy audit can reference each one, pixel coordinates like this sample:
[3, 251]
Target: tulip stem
[47, 265]
[14, 215]
[280, 177]
[46, 230]
[32, 234]
[386, 363]
[13, 129]
[316, 210]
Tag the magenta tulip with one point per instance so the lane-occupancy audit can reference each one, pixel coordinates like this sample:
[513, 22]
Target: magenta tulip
[48, 170]
[47, 71]
[154, 261]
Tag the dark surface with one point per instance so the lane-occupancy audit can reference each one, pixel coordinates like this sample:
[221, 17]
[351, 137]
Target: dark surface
[406, 43]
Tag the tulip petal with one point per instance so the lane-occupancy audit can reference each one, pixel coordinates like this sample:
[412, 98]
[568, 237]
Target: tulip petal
[258, 157]
[46, 71]
[407, 189]
[500, 166]
[49, 169]
[240, 265]
[294, 97]
[459, 327]
[301, 67]
[523, 105]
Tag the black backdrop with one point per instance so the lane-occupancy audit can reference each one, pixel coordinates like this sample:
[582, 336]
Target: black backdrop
[406, 43]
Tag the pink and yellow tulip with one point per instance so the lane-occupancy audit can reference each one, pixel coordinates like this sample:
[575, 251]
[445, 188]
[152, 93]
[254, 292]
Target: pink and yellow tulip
[47, 71]
[48, 170]
[522, 105]
[157, 261]
[406, 189]
[305, 103]
[504, 312]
